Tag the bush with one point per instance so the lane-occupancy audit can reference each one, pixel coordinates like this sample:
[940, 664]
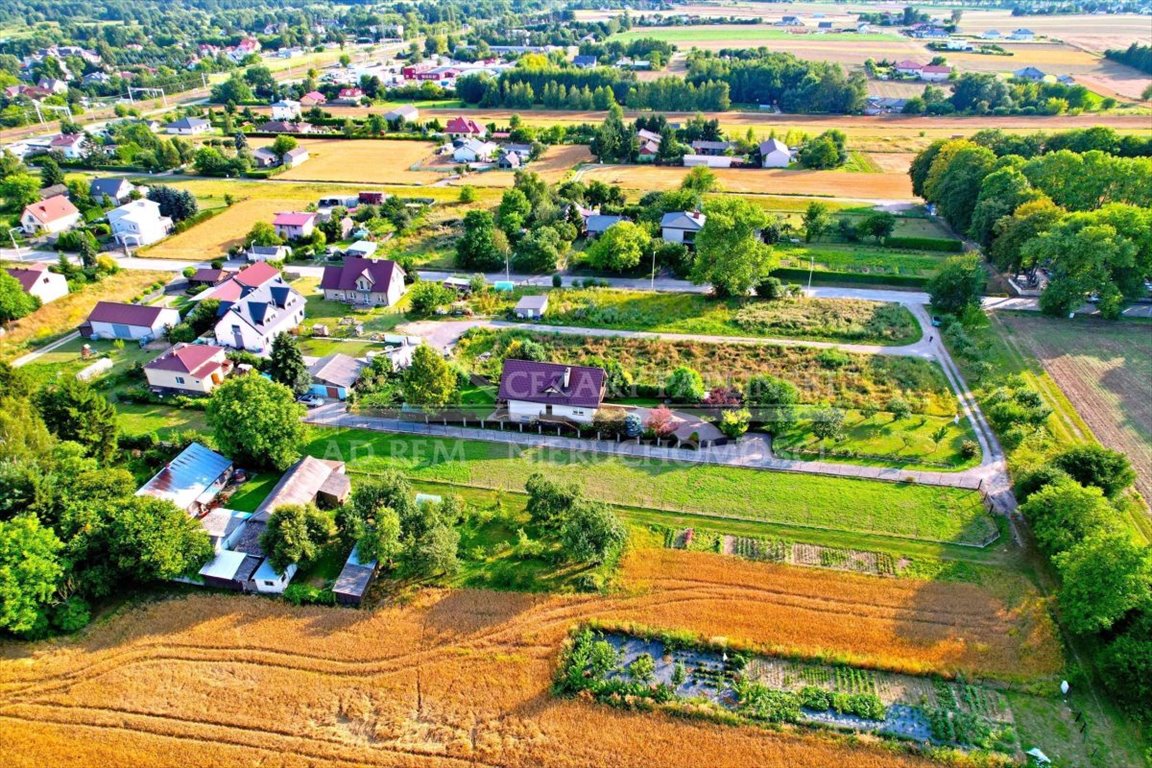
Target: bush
[925, 244]
[1096, 465]
[770, 288]
[71, 615]
[303, 594]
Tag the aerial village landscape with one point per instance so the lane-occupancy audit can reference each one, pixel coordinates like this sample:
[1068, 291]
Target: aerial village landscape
[566, 384]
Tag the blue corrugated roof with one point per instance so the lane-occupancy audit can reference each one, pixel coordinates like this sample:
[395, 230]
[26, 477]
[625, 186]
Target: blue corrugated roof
[184, 479]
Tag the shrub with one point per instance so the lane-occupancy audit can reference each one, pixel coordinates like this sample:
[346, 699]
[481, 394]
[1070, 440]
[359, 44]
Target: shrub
[303, 594]
[71, 615]
[770, 288]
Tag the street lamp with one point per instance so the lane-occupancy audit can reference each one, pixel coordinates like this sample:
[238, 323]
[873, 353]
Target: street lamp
[652, 286]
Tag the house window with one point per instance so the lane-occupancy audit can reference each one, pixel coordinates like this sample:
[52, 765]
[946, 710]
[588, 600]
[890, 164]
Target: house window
[269, 583]
[179, 379]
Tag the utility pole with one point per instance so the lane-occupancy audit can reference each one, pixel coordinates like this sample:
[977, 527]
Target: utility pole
[811, 267]
[652, 285]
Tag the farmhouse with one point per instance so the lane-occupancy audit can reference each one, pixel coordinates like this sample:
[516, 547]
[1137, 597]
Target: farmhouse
[243, 282]
[117, 190]
[71, 145]
[354, 580]
[774, 154]
[188, 126]
[649, 143]
[191, 481]
[131, 322]
[294, 225]
[364, 282]
[280, 126]
[681, 226]
[313, 99]
[465, 128]
[308, 481]
[349, 97]
[254, 320]
[333, 375]
[935, 73]
[36, 280]
[51, 216]
[1022, 34]
[188, 369]
[139, 223]
[1031, 74]
[286, 110]
[264, 157]
[534, 390]
[908, 67]
[585, 62]
[403, 114]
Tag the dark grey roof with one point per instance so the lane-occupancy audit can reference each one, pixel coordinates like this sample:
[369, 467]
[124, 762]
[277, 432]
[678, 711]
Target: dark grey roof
[601, 222]
[114, 188]
[337, 369]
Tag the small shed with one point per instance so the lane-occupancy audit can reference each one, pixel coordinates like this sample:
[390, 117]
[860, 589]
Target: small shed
[354, 579]
[531, 307]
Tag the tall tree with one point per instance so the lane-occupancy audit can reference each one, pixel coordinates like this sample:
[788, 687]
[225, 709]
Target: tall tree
[30, 571]
[14, 302]
[1103, 578]
[50, 173]
[478, 248]
[151, 539]
[286, 364]
[74, 410]
[817, 220]
[729, 251]
[619, 248]
[592, 532]
[429, 382]
[958, 285]
[256, 421]
[296, 533]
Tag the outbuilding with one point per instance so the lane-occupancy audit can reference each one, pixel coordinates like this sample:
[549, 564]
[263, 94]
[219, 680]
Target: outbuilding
[531, 307]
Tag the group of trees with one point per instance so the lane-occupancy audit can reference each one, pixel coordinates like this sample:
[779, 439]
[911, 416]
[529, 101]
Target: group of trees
[760, 76]
[588, 531]
[72, 529]
[983, 93]
[1073, 504]
[1086, 217]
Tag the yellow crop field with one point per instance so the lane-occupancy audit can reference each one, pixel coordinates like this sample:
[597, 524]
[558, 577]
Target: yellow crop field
[764, 181]
[552, 166]
[212, 239]
[375, 161]
[461, 678]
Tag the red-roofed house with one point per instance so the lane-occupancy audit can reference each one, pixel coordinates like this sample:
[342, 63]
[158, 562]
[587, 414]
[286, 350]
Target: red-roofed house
[349, 96]
[465, 128]
[365, 282]
[313, 99]
[38, 281]
[51, 216]
[208, 277]
[533, 390]
[908, 67]
[115, 320]
[294, 226]
[192, 369]
[236, 286]
[71, 145]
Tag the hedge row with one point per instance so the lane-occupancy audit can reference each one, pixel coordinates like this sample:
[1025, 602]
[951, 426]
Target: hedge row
[938, 244]
[868, 278]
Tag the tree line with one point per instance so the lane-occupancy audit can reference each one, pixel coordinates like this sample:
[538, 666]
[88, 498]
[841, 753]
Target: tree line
[761, 76]
[1085, 217]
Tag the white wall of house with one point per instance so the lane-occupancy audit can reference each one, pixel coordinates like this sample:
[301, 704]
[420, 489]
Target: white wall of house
[268, 581]
[673, 235]
[140, 230]
[522, 410]
[709, 161]
[184, 382]
[132, 332]
[233, 331]
[33, 225]
[367, 296]
[776, 159]
[286, 111]
[49, 287]
[294, 232]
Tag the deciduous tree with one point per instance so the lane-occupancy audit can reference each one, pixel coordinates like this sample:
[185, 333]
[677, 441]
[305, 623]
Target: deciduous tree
[256, 421]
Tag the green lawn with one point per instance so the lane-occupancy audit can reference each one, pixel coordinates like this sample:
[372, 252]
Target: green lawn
[743, 33]
[901, 510]
[880, 440]
[163, 420]
[861, 322]
[859, 258]
[252, 493]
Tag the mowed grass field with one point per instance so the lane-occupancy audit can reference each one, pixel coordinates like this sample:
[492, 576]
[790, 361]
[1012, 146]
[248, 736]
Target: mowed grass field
[1105, 369]
[764, 181]
[211, 239]
[462, 677]
[64, 315]
[901, 510]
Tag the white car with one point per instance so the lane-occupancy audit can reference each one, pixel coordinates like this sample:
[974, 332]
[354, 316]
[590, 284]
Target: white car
[311, 400]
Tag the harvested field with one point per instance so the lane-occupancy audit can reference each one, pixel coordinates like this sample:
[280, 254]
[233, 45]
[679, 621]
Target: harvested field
[1105, 369]
[892, 162]
[212, 239]
[376, 161]
[63, 315]
[462, 677]
[552, 166]
[764, 181]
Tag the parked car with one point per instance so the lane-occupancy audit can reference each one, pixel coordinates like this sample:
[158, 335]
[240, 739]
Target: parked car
[310, 400]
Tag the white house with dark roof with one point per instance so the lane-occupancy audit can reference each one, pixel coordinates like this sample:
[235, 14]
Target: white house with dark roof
[37, 280]
[117, 190]
[774, 154]
[681, 226]
[252, 321]
[131, 322]
[533, 391]
[597, 224]
[364, 282]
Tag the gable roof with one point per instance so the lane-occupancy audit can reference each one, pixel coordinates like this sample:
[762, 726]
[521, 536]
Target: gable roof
[127, 314]
[299, 485]
[464, 125]
[293, 219]
[535, 382]
[188, 477]
[188, 123]
[188, 358]
[258, 307]
[687, 220]
[538, 303]
[601, 222]
[52, 209]
[337, 369]
[241, 283]
[936, 69]
[773, 145]
[114, 188]
[209, 275]
[343, 278]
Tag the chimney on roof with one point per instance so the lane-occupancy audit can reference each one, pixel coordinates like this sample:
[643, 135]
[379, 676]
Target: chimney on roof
[567, 376]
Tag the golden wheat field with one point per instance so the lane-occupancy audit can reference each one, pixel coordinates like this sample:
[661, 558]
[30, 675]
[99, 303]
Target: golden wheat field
[552, 166]
[764, 181]
[462, 677]
[374, 161]
[211, 239]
